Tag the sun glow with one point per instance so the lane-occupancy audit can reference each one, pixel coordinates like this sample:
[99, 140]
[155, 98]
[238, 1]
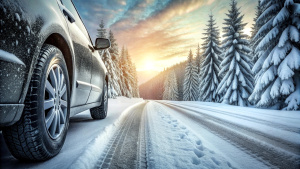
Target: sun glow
[247, 31]
[149, 65]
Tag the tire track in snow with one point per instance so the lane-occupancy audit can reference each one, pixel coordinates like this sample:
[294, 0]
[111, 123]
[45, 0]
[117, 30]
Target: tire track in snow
[142, 149]
[270, 155]
[122, 149]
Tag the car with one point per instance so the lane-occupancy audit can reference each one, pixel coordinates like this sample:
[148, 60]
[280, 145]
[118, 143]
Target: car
[49, 71]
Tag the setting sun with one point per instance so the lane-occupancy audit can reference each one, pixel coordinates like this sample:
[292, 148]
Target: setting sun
[149, 65]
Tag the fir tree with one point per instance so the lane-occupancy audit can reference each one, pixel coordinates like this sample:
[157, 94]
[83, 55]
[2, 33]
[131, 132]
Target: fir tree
[114, 49]
[125, 77]
[190, 84]
[130, 72]
[174, 87]
[170, 87]
[114, 52]
[210, 66]
[278, 82]
[122, 78]
[135, 85]
[113, 84]
[237, 84]
[167, 85]
[101, 31]
[198, 60]
[255, 27]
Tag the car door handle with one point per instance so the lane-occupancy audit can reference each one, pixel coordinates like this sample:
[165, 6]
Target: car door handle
[66, 12]
[69, 15]
[91, 48]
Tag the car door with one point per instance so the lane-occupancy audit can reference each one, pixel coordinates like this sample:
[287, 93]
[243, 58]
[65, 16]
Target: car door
[83, 54]
[98, 75]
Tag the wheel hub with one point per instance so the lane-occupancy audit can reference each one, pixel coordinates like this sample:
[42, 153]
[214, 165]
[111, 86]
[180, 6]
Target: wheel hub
[55, 103]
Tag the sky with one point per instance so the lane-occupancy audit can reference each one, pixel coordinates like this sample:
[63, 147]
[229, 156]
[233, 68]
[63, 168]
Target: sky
[158, 33]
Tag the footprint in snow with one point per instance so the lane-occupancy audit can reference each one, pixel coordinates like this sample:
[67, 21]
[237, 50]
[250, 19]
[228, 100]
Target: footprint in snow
[200, 147]
[182, 136]
[215, 161]
[198, 153]
[195, 161]
[229, 165]
[198, 142]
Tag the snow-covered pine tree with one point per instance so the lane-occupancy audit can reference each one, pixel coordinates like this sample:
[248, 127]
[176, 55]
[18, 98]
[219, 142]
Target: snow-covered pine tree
[190, 83]
[237, 84]
[123, 64]
[114, 49]
[126, 75]
[131, 70]
[174, 94]
[113, 84]
[101, 31]
[135, 85]
[279, 56]
[198, 60]
[171, 87]
[210, 66]
[122, 78]
[255, 27]
[167, 86]
[114, 52]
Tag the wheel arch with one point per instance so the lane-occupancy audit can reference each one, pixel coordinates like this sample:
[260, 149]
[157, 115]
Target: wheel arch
[58, 41]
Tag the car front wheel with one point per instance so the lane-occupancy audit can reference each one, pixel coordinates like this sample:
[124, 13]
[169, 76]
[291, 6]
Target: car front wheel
[41, 131]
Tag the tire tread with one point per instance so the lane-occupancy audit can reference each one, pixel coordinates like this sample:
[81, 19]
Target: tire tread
[99, 112]
[23, 138]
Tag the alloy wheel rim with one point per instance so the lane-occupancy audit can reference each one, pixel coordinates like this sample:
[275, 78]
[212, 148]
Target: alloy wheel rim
[55, 102]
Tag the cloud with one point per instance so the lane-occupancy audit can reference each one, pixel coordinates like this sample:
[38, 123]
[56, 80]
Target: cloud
[164, 30]
[159, 35]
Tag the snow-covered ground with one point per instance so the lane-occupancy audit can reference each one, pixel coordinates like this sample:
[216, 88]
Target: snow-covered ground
[169, 134]
[231, 136]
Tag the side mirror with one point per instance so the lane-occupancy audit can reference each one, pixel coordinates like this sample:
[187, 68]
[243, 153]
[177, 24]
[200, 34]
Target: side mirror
[101, 43]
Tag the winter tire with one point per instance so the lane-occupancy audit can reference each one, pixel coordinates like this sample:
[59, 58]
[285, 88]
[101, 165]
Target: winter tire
[100, 112]
[41, 131]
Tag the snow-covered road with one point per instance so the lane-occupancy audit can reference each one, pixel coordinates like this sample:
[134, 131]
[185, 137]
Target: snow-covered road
[167, 134]
[265, 139]
[83, 132]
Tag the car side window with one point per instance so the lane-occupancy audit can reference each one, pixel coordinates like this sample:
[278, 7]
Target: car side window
[69, 5]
